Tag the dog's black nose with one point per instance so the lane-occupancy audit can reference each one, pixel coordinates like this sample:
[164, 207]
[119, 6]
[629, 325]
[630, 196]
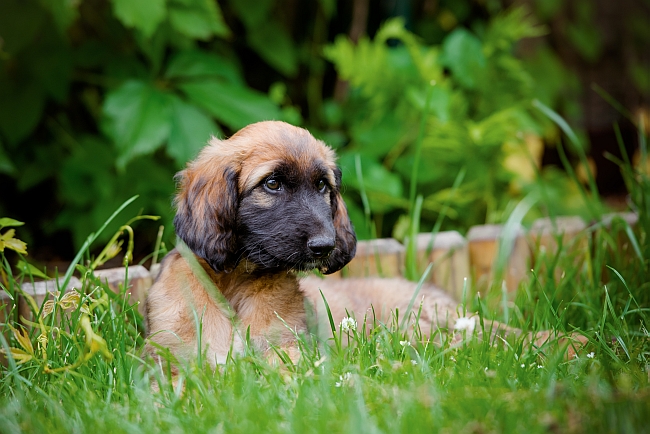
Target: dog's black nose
[321, 247]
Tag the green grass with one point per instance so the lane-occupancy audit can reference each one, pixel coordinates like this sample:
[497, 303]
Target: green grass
[91, 376]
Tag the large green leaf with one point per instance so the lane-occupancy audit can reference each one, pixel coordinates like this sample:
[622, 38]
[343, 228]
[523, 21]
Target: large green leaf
[139, 119]
[86, 175]
[144, 15]
[199, 19]
[64, 12]
[463, 55]
[200, 65]
[190, 131]
[379, 138]
[252, 12]
[384, 189]
[21, 106]
[440, 100]
[275, 46]
[235, 106]
[20, 22]
[50, 64]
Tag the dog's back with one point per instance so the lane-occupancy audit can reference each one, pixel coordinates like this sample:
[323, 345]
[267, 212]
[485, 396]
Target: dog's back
[379, 299]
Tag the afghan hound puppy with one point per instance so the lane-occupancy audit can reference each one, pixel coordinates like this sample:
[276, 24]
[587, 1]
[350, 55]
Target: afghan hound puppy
[254, 211]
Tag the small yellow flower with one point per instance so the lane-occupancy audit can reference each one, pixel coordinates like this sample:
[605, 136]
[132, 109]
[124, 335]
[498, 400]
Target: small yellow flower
[7, 240]
[27, 352]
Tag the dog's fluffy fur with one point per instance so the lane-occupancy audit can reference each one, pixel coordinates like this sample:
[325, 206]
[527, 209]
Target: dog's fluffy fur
[255, 210]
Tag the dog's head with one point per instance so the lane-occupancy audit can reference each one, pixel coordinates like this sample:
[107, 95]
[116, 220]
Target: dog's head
[270, 195]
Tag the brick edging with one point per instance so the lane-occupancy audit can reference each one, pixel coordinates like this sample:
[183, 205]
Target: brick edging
[454, 258]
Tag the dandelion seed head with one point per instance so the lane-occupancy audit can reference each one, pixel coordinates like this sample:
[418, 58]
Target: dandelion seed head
[465, 324]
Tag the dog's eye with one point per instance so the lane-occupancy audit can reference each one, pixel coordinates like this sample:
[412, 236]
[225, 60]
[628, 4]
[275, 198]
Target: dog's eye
[273, 184]
[322, 185]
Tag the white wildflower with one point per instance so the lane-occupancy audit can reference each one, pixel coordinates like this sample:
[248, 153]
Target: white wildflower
[348, 323]
[414, 362]
[465, 324]
[539, 366]
[405, 343]
[591, 355]
[345, 379]
[523, 365]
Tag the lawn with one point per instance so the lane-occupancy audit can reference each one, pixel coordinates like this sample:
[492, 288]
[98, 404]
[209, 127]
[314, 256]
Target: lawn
[79, 367]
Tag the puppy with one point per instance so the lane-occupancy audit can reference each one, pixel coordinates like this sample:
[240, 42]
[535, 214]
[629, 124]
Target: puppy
[254, 211]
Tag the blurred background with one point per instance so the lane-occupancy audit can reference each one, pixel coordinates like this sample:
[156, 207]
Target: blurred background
[101, 100]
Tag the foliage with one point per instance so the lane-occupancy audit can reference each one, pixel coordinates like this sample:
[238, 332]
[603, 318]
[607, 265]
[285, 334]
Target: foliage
[474, 97]
[108, 100]
[102, 100]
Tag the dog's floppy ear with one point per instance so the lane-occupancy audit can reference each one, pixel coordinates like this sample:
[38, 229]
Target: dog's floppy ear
[206, 213]
[346, 240]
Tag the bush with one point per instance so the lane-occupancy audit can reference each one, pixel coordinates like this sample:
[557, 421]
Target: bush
[472, 99]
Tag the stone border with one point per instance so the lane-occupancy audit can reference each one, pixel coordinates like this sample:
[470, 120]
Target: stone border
[454, 258]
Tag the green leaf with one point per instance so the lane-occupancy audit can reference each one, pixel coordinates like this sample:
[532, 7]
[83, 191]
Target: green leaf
[547, 9]
[252, 12]
[21, 106]
[6, 222]
[384, 188]
[86, 176]
[200, 19]
[6, 166]
[201, 65]
[190, 131]
[640, 77]
[144, 15]
[50, 64]
[20, 22]
[30, 270]
[586, 39]
[274, 45]
[138, 119]
[438, 105]
[64, 12]
[329, 7]
[378, 138]
[583, 35]
[463, 55]
[235, 106]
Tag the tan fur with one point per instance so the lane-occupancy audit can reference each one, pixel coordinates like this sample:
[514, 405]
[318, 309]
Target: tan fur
[378, 297]
[178, 294]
